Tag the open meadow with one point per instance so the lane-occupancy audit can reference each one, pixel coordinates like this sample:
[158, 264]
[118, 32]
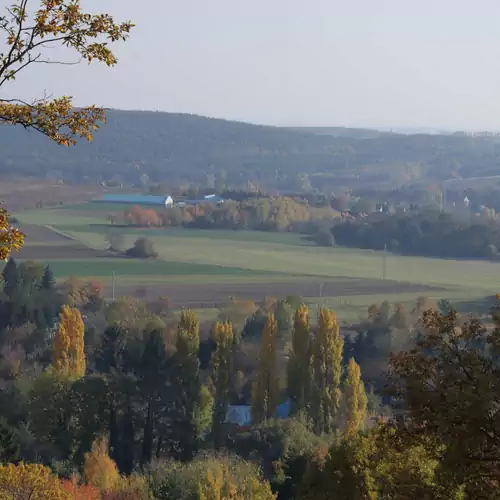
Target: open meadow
[203, 268]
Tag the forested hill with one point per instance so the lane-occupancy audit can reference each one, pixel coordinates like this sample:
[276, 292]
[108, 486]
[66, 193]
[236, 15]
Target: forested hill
[178, 148]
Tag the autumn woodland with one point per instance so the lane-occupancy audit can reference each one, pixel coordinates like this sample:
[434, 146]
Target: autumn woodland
[327, 328]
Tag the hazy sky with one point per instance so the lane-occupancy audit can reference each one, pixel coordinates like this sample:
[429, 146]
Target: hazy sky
[298, 62]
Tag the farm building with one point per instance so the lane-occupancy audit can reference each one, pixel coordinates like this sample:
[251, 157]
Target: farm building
[211, 198]
[137, 199]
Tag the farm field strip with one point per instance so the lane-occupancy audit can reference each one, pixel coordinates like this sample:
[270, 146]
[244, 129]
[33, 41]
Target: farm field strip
[324, 262]
[258, 257]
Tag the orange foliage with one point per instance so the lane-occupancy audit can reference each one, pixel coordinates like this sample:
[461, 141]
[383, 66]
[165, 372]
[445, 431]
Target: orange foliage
[142, 217]
[80, 293]
[80, 491]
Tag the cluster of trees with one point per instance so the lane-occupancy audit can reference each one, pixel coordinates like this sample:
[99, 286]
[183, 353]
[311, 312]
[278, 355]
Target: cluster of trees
[264, 214]
[125, 400]
[428, 233]
[95, 406]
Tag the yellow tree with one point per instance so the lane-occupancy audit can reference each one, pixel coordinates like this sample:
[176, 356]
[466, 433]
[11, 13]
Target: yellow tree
[265, 388]
[31, 30]
[300, 360]
[355, 399]
[99, 469]
[10, 237]
[327, 370]
[33, 481]
[68, 356]
[221, 373]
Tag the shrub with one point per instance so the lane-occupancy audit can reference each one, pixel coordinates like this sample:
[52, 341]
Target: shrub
[210, 477]
[325, 238]
[143, 249]
[32, 481]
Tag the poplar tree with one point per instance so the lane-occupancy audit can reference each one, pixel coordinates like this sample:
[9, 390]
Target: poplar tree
[327, 370]
[190, 402]
[221, 372]
[265, 388]
[68, 356]
[355, 398]
[299, 361]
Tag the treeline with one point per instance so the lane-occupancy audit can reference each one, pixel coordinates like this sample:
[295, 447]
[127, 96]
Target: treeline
[263, 214]
[428, 233]
[184, 148]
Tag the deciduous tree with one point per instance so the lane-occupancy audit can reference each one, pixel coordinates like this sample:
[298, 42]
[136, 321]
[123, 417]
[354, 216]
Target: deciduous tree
[68, 356]
[31, 32]
[355, 400]
[221, 374]
[186, 405]
[299, 361]
[327, 370]
[33, 481]
[265, 388]
[99, 469]
[377, 466]
[449, 385]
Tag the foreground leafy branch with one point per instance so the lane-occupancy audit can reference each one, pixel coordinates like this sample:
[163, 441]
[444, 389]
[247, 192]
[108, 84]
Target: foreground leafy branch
[30, 35]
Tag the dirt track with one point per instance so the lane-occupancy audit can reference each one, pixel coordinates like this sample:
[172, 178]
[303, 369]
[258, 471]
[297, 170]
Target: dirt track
[42, 243]
[202, 296]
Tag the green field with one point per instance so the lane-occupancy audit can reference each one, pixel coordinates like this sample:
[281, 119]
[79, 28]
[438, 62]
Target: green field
[314, 261]
[150, 269]
[205, 256]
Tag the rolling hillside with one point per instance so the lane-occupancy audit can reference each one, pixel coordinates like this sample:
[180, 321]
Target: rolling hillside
[179, 148]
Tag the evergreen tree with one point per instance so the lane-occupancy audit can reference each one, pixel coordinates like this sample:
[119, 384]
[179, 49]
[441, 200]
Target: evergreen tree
[356, 401]
[221, 373]
[48, 281]
[327, 370]
[11, 278]
[9, 447]
[68, 356]
[299, 361]
[265, 388]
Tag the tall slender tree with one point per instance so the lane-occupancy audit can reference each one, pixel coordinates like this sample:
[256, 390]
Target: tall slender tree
[186, 386]
[68, 356]
[327, 370]
[221, 373]
[265, 388]
[299, 361]
[355, 399]
[152, 377]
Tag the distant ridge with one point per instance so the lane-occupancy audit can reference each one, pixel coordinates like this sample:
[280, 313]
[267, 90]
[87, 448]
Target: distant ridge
[140, 147]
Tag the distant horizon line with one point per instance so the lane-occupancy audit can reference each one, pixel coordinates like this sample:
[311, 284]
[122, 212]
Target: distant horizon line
[402, 129]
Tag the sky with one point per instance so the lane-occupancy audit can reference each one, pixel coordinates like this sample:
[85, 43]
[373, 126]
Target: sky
[361, 63]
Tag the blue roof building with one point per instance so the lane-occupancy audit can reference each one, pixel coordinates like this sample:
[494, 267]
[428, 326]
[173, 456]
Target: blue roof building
[137, 199]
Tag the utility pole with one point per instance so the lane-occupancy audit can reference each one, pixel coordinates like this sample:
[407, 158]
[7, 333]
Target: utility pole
[113, 286]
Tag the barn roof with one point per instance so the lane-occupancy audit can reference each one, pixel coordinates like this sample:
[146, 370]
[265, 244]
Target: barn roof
[137, 199]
